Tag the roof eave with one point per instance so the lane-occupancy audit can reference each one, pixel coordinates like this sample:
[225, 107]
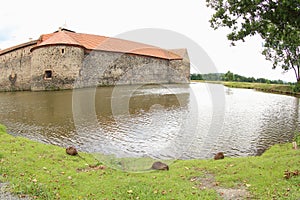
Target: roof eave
[58, 44]
[131, 53]
[13, 48]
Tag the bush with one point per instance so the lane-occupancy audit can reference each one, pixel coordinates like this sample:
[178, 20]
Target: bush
[2, 129]
[297, 138]
[296, 88]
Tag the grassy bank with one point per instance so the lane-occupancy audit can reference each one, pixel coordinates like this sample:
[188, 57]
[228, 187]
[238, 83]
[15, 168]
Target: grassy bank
[264, 87]
[47, 172]
[271, 88]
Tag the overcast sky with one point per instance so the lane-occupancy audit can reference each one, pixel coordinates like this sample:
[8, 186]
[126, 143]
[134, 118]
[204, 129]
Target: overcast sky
[21, 20]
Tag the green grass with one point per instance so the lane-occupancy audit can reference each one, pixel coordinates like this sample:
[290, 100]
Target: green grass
[264, 87]
[47, 172]
[272, 88]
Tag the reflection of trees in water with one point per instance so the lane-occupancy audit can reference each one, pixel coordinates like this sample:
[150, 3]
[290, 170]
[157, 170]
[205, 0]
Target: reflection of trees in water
[278, 125]
[228, 91]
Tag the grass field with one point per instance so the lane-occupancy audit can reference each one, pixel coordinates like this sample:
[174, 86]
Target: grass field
[47, 172]
[270, 88]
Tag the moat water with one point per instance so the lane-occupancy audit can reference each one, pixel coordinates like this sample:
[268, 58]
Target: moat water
[159, 121]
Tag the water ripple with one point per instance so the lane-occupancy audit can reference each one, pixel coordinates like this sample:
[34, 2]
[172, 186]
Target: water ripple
[171, 121]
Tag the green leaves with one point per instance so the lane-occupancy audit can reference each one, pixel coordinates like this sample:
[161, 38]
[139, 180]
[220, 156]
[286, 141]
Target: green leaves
[277, 22]
[2, 129]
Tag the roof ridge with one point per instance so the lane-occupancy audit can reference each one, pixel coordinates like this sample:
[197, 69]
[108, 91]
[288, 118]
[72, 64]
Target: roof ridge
[139, 48]
[104, 43]
[70, 34]
[63, 37]
[143, 46]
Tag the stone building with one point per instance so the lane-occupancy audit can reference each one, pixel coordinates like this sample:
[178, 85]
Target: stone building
[65, 60]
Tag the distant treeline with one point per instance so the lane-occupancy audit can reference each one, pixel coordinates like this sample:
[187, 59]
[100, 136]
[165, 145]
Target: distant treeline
[229, 76]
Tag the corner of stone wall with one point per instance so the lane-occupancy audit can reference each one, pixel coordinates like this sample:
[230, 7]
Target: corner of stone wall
[181, 72]
[15, 67]
[63, 62]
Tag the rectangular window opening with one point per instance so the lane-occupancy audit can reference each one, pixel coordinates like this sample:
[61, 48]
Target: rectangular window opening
[48, 74]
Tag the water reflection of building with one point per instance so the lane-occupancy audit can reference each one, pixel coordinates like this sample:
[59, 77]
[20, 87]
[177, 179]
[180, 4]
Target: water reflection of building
[91, 123]
[41, 116]
[132, 100]
[135, 120]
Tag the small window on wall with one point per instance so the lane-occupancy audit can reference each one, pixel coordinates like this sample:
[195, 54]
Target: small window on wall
[48, 75]
[62, 51]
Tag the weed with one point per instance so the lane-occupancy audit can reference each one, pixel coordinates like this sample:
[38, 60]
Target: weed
[297, 138]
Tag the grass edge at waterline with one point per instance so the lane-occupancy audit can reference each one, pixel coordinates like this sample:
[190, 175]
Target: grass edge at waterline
[264, 87]
[47, 172]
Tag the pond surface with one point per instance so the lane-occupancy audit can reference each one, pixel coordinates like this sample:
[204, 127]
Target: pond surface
[158, 121]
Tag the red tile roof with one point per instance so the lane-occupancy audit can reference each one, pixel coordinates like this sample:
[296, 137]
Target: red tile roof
[57, 38]
[96, 42]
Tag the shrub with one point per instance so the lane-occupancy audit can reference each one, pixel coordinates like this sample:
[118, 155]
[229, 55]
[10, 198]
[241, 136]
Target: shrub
[2, 129]
[297, 138]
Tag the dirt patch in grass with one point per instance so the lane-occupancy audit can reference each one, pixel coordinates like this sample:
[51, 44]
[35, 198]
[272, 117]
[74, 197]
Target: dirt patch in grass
[208, 182]
[5, 194]
[91, 168]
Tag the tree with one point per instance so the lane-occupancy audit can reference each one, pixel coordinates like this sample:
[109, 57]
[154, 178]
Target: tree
[196, 77]
[276, 21]
[229, 76]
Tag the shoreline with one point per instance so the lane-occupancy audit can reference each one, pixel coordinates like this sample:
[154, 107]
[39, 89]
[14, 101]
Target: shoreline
[43, 171]
[263, 87]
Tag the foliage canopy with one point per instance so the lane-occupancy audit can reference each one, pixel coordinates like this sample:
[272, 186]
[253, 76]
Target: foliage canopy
[276, 21]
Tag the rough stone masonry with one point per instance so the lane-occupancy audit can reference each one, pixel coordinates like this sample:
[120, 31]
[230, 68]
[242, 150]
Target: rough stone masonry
[66, 60]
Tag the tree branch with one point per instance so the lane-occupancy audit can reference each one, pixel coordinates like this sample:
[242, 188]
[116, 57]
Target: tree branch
[292, 64]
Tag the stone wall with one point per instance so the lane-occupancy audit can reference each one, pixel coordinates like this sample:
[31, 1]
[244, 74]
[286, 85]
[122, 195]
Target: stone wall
[61, 62]
[110, 68]
[143, 70]
[180, 69]
[15, 69]
[65, 67]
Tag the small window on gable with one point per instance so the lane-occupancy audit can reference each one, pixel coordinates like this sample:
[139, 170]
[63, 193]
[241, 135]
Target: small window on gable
[62, 51]
[48, 75]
